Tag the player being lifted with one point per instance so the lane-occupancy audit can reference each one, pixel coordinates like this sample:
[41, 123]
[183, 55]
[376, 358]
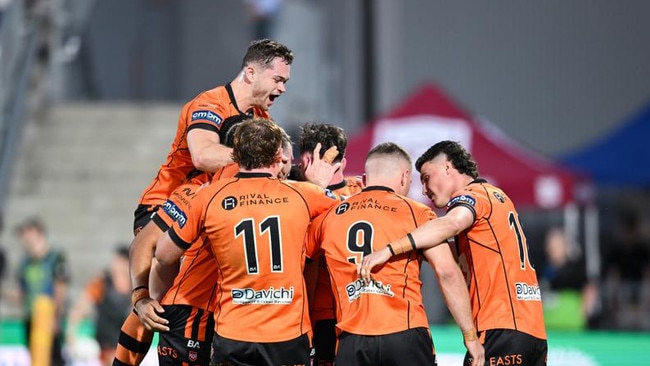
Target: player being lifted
[198, 150]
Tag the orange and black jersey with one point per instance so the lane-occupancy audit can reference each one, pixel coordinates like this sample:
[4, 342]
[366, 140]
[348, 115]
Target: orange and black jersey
[198, 263]
[364, 223]
[493, 255]
[194, 285]
[347, 187]
[227, 171]
[206, 111]
[322, 306]
[255, 226]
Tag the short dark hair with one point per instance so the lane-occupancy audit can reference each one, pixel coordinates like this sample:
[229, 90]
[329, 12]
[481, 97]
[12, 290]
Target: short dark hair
[327, 134]
[263, 51]
[33, 222]
[389, 148]
[460, 158]
[256, 143]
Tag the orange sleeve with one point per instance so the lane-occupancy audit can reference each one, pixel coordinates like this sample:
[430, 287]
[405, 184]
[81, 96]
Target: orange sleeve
[207, 112]
[187, 231]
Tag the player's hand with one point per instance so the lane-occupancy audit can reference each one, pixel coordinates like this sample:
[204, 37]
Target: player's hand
[320, 170]
[147, 310]
[476, 351]
[371, 261]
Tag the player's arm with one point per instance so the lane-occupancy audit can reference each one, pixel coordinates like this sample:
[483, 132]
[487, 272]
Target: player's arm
[426, 236]
[165, 264]
[454, 291]
[141, 253]
[208, 154]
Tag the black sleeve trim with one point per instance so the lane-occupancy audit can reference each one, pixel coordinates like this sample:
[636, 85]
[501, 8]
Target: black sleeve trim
[468, 206]
[178, 241]
[204, 126]
[162, 225]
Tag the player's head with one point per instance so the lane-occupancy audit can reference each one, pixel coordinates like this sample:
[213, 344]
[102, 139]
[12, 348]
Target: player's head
[267, 68]
[388, 164]
[264, 51]
[287, 155]
[327, 135]
[444, 168]
[32, 236]
[257, 144]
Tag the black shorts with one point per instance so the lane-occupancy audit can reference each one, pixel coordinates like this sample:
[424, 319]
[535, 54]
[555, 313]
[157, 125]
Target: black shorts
[324, 342]
[409, 347]
[142, 216]
[512, 347]
[189, 338]
[228, 352]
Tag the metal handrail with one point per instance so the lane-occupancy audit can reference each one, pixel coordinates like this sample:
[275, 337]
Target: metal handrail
[17, 52]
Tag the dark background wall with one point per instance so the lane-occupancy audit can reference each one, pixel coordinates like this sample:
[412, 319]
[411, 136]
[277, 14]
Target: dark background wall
[553, 75]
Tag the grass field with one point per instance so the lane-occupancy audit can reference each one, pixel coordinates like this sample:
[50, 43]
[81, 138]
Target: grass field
[565, 348]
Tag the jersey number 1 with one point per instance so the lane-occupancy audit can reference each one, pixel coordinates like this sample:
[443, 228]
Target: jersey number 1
[270, 225]
[521, 240]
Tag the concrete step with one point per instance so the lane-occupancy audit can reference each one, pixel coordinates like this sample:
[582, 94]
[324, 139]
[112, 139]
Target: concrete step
[82, 168]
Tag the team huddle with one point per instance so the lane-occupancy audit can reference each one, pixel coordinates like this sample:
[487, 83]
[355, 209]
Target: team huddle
[241, 258]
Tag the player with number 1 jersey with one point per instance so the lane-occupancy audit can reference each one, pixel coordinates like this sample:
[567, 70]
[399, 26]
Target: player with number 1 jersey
[493, 256]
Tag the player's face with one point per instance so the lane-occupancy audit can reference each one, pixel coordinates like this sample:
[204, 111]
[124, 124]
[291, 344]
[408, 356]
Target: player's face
[433, 176]
[33, 241]
[270, 82]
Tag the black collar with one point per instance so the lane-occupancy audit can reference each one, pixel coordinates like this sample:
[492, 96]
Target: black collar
[253, 175]
[478, 180]
[336, 186]
[234, 101]
[378, 188]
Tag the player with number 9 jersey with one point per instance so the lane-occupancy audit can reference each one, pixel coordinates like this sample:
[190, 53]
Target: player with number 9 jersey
[347, 232]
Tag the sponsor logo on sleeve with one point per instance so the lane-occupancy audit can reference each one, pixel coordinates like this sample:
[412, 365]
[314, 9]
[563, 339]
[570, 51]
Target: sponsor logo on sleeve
[175, 213]
[463, 199]
[207, 116]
